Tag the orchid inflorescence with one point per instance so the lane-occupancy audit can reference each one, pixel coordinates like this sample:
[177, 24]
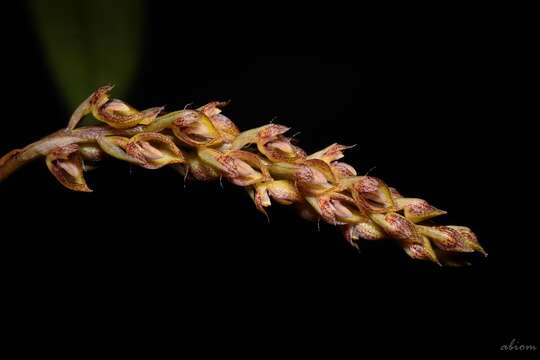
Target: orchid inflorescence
[205, 145]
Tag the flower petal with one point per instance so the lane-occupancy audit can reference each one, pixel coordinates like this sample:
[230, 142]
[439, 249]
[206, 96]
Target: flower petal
[470, 238]
[315, 177]
[247, 137]
[367, 230]
[373, 194]
[96, 99]
[195, 129]
[227, 129]
[115, 146]
[198, 169]
[66, 165]
[342, 170]
[283, 192]
[420, 251]
[276, 147]
[10, 155]
[397, 227]
[153, 150]
[213, 108]
[253, 160]
[446, 238]
[330, 153]
[336, 208]
[237, 171]
[259, 195]
[114, 112]
[417, 210]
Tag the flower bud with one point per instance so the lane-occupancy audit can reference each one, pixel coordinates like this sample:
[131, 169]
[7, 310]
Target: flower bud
[153, 150]
[470, 238]
[282, 191]
[366, 230]
[372, 194]
[397, 227]
[417, 210]
[336, 208]
[446, 238]
[420, 251]
[237, 171]
[312, 177]
[66, 166]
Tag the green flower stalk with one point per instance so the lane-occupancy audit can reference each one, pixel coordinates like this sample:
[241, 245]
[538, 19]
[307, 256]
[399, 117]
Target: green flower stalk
[205, 145]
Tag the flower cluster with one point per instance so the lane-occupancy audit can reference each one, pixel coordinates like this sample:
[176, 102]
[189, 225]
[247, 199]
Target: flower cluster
[205, 145]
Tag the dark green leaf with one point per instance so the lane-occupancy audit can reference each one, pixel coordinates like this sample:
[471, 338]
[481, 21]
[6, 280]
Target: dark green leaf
[89, 43]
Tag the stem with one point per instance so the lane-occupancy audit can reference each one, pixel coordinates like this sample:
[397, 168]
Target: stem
[18, 158]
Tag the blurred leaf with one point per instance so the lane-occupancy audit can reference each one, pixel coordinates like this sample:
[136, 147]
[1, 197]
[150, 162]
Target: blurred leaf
[89, 43]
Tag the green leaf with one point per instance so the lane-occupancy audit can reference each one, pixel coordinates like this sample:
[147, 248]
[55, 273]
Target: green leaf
[89, 43]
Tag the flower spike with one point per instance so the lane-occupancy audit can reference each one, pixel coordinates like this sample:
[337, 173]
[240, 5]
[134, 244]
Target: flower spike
[206, 145]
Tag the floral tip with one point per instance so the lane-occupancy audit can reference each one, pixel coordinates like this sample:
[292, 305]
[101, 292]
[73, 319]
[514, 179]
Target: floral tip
[417, 210]
[331, 153]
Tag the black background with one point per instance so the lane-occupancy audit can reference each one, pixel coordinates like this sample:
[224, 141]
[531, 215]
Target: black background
[196, 267]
